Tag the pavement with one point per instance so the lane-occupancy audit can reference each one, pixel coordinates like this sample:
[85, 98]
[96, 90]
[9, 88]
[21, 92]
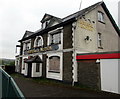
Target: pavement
[31, 89]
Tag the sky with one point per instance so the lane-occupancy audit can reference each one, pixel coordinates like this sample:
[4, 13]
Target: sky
[17, 16]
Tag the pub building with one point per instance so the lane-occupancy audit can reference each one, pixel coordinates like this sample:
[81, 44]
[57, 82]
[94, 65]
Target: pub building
[55, 51]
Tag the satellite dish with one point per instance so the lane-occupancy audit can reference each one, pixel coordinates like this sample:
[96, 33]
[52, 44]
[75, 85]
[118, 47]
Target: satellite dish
[55, 47]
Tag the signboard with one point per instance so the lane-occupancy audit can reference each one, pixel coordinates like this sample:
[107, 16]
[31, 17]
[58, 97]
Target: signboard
[41, 49]
[86, 25]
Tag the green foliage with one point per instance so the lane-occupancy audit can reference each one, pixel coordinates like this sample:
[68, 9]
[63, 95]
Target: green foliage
[7, 62]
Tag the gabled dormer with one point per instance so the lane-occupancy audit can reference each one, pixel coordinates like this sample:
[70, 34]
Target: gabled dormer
[49, 20]
[27, 33]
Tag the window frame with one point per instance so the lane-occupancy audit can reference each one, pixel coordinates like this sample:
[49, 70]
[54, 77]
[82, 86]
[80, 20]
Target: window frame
[53, 39]
[99, 39]
[101, 17]
[37, 41]
[37, 67]
[53, 70]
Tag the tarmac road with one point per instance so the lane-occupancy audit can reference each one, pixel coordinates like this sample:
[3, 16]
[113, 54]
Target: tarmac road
[34, 89]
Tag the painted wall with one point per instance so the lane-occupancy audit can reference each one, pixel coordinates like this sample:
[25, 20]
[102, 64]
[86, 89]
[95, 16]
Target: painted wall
[110, 39]
[86, 26]
[34, 73]
[119, 75]
[109, 75]
[24, 71]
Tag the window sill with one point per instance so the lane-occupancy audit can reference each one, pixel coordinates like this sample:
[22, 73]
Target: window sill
[101, 22]
[55, 43]
[100, 47]
[53, 71]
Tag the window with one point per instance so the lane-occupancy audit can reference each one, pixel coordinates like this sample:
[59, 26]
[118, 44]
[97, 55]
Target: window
[54, 64]
[45, 24]
[56, 38]
[38, 42]
[99, 41]
[100, 16]
[37, 67]
[27, 46]
[23, 66]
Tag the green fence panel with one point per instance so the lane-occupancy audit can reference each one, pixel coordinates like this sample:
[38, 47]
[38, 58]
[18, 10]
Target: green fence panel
[9, 87]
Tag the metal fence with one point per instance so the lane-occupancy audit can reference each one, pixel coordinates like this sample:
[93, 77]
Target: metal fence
[8, 87]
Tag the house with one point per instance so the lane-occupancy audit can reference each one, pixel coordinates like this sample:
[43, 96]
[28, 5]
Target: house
[53, 51]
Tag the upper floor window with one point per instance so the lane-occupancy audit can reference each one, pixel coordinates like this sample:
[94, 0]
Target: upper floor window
[38, 41]
[99, 41]
[56, 38]
[101, 16]
[27, 45]
[45, 24]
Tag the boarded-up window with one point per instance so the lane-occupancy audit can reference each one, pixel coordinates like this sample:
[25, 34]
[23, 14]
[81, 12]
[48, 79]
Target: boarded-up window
[54, 64]
[37, 67]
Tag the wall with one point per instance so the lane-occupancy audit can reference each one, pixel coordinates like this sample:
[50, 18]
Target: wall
[109, 75]
[89, 30]
[24, 71]
[34, 73]
[67, 66]
[110, 37]
[67, 36]
[44, 65]
[89, 73]
[119, 75]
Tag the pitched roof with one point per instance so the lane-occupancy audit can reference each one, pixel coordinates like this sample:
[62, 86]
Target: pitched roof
[27, 34]
[48, 16]
[81, 12]
[73, 17]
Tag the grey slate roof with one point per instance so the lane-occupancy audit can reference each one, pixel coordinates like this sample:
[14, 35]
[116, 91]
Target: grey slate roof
[81, 12]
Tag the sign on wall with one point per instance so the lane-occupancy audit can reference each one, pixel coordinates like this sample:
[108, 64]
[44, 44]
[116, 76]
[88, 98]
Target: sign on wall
[41, 49]
[86, 25]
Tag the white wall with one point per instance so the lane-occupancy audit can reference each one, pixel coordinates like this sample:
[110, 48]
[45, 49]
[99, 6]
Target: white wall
[109, 75]
[34, 73]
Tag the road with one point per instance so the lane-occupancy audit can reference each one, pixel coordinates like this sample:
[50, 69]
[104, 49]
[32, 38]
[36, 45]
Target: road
[31, 88]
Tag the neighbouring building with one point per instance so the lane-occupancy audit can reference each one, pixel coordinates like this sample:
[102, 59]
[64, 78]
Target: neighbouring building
[56, 51]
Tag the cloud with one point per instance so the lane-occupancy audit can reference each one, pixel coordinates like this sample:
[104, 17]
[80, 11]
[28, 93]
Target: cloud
[17, 16]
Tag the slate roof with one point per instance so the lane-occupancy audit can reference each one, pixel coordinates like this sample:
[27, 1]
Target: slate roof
[27, 34]
[73, 17]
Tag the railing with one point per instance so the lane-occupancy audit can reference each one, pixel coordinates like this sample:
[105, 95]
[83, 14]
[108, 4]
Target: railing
[8, 87]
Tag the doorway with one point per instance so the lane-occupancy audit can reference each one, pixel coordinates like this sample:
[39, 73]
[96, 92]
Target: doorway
[29, 70]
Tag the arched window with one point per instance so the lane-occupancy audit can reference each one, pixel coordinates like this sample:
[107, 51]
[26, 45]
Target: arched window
[38, 41]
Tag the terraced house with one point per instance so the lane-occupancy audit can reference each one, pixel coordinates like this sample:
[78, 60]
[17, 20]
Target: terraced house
[55, 50]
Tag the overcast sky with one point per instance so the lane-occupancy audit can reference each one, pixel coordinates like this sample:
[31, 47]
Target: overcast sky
[17, 16]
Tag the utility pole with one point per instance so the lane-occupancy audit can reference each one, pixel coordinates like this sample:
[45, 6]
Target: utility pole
[80, 5]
